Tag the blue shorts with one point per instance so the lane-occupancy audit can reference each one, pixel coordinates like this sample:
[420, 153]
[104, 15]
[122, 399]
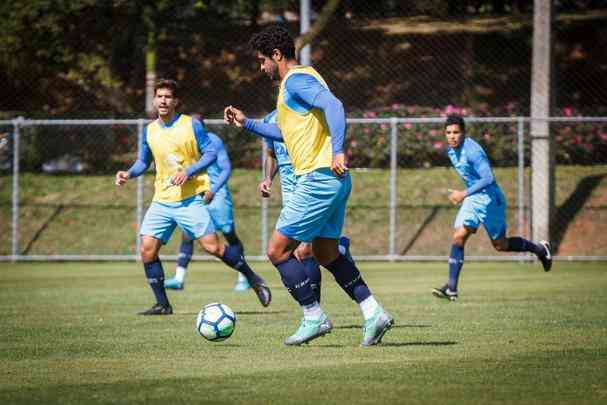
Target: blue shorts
[317, 206]
[190, 214]
[220, 209]
[288, 181]
[486, 209]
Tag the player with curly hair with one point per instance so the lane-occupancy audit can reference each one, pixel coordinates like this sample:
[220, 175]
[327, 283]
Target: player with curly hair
[312, 124]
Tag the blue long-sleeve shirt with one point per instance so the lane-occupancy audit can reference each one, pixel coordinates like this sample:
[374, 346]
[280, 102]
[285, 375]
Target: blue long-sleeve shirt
[219, 171]
[472, 164]
[304, 92]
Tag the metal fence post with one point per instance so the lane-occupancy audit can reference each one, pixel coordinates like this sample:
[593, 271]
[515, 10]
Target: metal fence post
[17, 123]
[520, 188]
[140, 188]
[264, 204]
[393, 190]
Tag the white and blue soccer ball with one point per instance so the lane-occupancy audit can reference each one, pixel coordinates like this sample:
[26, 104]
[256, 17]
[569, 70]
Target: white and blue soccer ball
[216, 322]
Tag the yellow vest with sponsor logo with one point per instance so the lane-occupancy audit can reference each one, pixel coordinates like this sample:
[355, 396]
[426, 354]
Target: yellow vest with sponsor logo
[174, 149]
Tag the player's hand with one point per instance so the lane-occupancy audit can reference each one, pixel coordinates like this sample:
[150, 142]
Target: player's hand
[121, 177]
[456, 196]
[234, 116]
[299, 255]
[208, 196]
[338, 165]
[265, 188]
[179, 179]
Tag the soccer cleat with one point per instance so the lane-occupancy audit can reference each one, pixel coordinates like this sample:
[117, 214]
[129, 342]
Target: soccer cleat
[158, 309]
[263, 292]
[376, 327]
[242, 285]
[445, 292]
[173, 284]
[309, 330]
[344, 247]
[546, 258]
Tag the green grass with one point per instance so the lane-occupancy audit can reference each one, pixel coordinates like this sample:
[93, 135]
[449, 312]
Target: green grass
[518, 335]
[63, 214]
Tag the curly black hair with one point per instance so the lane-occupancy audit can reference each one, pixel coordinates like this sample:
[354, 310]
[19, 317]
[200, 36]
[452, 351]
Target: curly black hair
[274, 37]
[454, 119]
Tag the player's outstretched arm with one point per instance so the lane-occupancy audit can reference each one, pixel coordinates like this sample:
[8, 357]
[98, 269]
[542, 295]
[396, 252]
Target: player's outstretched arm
[234, 116]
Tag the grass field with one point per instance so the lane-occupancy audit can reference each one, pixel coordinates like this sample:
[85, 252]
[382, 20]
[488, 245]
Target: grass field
[518, 335]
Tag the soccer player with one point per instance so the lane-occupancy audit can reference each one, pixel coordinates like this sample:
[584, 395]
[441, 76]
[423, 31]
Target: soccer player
[311, 122]
[218, 200]
[180, 148]
[483, 202]
[278, 161]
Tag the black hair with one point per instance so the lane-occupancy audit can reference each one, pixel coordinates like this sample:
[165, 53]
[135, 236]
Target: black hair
[274, 37]
[454, 119]
[167, 84]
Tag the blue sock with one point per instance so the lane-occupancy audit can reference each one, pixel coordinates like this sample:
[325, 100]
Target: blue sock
[349, 278]
[313, 272]
[518, 244]
[185, 253]
[294, 277]
[456, 262]
[233, 258]
[234, 241]
[155, 276]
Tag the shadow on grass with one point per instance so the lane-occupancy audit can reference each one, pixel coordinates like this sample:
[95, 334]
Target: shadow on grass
[564, 215]
[421, 229]
[238, 313]
[404, 344]
[42, 228]
[393, 327]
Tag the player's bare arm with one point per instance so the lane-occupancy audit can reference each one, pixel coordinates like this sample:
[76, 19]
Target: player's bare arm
[234, 116]
[208, 196]
[338, 165]
[457, 196]
[179, 179]
[121, 177]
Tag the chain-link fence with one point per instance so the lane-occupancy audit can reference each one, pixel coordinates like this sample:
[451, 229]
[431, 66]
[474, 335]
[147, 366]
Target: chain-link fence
[59, 202]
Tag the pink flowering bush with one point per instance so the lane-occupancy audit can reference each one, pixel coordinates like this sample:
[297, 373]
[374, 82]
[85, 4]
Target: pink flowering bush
[424, 145]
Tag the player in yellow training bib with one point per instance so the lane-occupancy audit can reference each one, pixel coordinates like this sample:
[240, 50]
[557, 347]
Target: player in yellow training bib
[181, 150]
[312, 124]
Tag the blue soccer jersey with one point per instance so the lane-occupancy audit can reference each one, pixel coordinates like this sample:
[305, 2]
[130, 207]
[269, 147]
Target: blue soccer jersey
[485, 202]
[285, 168]
[472, 164]
[221, 207]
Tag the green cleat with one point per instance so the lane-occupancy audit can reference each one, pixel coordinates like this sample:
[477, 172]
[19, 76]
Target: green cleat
[376, 327]
[309, 330]
[173, 284]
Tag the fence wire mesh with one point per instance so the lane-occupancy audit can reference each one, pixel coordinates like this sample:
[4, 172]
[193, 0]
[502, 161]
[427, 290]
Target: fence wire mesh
[67, 206]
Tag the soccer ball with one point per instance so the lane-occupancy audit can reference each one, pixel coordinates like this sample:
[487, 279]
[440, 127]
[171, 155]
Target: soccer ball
[215, 322]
